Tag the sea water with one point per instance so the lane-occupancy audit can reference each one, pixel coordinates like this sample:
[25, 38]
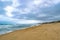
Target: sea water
[10, 28]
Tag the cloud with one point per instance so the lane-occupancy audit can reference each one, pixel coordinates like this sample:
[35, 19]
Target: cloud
[2, 17]
[32, 7]
[42, 15]
[56, 1]
[58, 16]
[9, 10]
[19, 21]
[29, 21]
[15, 3]
[4, 0]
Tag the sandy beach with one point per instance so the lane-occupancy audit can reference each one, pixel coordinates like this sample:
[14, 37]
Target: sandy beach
[50, 31]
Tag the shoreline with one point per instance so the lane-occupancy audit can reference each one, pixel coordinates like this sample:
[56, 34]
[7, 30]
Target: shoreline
[30, 27]
[49, 31]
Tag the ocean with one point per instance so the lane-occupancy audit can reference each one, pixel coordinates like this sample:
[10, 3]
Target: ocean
[10, 28]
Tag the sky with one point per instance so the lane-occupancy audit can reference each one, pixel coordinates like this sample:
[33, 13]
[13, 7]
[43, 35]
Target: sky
[29, 11]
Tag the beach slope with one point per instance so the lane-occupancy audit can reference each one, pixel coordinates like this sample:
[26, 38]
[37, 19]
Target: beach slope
[45, 31]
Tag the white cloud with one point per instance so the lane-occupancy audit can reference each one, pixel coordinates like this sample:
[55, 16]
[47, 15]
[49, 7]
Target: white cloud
[28, 21]
[19, 21]
[37, 2]
[24, 11]
[5, 18]
[9, 10]
[45, 3]
[30, 7]
[15, 3]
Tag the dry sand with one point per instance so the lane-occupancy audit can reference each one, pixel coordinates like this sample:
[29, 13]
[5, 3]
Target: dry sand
[42, 32]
